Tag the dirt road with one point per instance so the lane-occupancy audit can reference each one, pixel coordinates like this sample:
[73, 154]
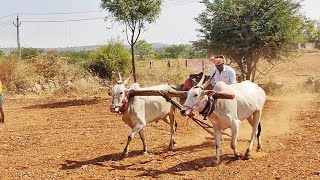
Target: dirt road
[78, 138]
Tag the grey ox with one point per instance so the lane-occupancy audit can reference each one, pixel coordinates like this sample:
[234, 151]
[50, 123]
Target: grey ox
[247, 104]
[138, 111]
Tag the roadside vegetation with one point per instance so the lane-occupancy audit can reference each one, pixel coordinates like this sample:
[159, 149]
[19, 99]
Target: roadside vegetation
[256, 36]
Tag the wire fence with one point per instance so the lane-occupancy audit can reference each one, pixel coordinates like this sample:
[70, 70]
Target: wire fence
[195, 65]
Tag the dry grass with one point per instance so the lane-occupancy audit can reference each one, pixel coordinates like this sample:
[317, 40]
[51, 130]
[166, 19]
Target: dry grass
[294, 73]
[45, 74]
[15, 75]
[21, 77]
[159, 73]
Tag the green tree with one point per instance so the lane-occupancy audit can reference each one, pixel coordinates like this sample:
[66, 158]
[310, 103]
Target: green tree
[1, 53]
[134, 14]
[29, 53]
[26, 53]
[250, 30]
[317, 36]
[112, 57]
[76, 56]
[174, 52]
[144, 50]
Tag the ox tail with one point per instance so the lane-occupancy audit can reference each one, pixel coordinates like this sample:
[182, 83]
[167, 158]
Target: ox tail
[259, 130]
[176, 126]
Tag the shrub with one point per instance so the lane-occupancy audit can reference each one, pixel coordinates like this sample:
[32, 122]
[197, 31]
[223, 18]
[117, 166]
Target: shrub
[112, 57]
[16, 76]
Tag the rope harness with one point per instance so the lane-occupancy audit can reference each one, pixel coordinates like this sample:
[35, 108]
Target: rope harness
[209, 108]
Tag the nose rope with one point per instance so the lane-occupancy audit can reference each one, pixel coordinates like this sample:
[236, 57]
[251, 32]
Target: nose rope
[122, 107]
[194, 106]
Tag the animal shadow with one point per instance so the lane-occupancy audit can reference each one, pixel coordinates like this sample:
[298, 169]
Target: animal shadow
[98, 161]
[80, 102]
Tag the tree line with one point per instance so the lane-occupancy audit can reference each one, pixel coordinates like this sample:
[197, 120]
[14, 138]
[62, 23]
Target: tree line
[245, 31]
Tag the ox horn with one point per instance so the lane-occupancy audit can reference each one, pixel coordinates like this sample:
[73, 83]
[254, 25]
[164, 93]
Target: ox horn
[127, 80]
[201, 81]
[120, 78]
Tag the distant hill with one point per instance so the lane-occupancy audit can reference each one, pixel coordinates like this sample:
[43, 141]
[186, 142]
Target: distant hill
[156, 46]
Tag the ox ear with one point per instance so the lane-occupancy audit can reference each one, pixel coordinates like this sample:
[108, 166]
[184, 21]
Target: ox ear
[201, 81]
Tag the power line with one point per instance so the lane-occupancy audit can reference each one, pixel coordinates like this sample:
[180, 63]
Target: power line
[179, 3]
[8, 16]
[53, 13]
[56, 21]
[61, 13]
[5, 25]
[9, 22]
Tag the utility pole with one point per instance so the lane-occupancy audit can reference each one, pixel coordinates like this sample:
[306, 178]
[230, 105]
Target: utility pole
[18, 35]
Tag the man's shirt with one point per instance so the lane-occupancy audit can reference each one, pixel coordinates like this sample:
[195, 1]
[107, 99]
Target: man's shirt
[228, 75]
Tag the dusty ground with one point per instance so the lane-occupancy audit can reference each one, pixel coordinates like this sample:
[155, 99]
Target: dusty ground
[78, 138]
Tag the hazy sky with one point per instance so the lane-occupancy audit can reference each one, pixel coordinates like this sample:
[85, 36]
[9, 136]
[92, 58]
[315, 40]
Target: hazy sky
[176, 24]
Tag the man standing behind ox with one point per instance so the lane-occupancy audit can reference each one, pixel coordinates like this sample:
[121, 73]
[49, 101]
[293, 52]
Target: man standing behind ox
[221, 72]
[1, 104]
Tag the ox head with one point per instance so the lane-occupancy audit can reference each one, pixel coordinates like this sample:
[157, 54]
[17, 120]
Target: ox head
[196, 98]
[119, 96]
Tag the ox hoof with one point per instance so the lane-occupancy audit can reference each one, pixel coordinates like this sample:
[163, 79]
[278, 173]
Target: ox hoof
[147, 152]
[174, 142]
[247, 156]
[259, 149]
[215, 163]
[170, 148]
[124, 154]
[238, 155]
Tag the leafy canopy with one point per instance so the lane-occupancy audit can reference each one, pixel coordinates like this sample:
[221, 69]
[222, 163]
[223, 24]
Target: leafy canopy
[144, 50]
[249, 30]
[134, 14]
[112, 57]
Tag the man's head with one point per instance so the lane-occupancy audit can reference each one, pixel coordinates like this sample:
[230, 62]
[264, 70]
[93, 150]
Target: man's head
[218, 61]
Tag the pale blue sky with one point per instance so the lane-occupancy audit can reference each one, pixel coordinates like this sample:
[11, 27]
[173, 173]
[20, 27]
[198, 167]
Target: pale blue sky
[176, 24]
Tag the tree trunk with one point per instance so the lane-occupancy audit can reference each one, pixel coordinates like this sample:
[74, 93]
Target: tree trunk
[133, 64]
[248, 73]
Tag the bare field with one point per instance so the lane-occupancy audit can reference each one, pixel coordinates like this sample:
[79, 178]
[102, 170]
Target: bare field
[78, 138]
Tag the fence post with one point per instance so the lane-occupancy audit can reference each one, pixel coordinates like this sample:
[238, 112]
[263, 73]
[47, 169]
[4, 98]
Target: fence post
[150, 64]
[186, 62]
[203, 66]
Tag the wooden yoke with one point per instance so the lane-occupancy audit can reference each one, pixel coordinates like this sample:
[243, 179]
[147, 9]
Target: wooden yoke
[180, 94]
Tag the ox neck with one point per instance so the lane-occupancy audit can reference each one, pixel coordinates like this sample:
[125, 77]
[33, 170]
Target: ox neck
[209, 107]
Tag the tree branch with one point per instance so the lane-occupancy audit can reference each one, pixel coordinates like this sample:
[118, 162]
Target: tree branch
[139, 31]
[273, 65]
[127, 34]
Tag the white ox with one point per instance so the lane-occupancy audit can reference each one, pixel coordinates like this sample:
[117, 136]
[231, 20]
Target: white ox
[138, 111]
[247, 104]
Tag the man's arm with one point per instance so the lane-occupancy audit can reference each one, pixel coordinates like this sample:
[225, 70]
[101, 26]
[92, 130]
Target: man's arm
[232, 76]
[206, 84]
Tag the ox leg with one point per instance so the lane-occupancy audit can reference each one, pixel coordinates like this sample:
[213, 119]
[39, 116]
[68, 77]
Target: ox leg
[259, 137]
[234, 137]
[134, 131]
[217, 138]
[145, 149]
[250, 119]
[173, 125]
[255, 124]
